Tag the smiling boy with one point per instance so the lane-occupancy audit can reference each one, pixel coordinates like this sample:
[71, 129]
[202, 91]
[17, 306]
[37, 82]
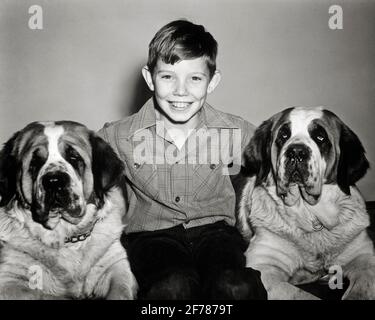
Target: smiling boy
[178, 153]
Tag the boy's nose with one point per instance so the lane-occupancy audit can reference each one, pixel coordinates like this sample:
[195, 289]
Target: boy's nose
[180, 89]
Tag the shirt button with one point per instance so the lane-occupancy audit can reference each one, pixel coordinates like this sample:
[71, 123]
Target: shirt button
[136, 165]
[212, 166]
[177, 199]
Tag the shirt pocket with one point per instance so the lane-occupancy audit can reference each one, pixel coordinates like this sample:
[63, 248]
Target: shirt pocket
[210, 182]
[144, 176]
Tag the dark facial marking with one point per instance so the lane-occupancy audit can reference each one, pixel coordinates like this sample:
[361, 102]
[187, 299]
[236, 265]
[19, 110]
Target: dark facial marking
[32, 131]
[282, 136]
[74, 158]
[320, 137]
[36, 163]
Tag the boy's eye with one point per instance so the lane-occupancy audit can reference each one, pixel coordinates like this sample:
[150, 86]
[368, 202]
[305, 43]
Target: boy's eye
[166, 77]
[195, 78]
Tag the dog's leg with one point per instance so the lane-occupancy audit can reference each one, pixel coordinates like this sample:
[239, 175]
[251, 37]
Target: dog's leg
[278, 260]
[16, 291]
[123, 285]
[361, 274]
[276, 283]
[358, 265]
[117, 283]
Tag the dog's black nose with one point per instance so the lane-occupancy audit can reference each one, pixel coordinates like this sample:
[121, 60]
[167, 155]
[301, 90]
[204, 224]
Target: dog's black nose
[298, 152]
[55, 181]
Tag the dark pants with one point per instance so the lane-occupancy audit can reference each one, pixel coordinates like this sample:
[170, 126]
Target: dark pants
[205, 262]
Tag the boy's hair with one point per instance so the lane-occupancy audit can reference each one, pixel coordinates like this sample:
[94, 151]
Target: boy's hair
[182, 40]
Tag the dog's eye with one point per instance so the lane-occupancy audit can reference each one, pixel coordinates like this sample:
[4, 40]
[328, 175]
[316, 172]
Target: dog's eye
[284, 133]
[284, 136]
[73, 159]
[36, 163]
[319, 135]
[72, 156]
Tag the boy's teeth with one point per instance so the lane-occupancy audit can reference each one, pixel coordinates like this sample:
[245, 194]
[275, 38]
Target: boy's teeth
[180, 104]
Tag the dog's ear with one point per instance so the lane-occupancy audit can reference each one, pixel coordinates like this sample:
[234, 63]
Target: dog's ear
[8, 171]
[352, 164]
[258, 152]
[107, 168]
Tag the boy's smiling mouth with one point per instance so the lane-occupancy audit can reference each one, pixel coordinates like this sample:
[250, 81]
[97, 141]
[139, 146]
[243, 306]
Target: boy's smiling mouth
[179, 105]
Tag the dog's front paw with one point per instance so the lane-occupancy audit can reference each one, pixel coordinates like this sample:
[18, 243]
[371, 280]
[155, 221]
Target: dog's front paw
[362, 288]
[121, 293]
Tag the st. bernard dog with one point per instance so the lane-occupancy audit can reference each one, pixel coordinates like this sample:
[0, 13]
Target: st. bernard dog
[300, 207]
[60, 216]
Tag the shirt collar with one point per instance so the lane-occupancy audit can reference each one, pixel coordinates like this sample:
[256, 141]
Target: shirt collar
[215, 119]
[145, 118]
[209, 117]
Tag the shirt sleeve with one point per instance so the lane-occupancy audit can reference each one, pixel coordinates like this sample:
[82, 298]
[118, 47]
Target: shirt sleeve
[102, 133]
[108, 134]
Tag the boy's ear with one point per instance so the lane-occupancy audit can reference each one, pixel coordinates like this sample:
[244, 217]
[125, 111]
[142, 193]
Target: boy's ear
[214, 81]
[148, 77]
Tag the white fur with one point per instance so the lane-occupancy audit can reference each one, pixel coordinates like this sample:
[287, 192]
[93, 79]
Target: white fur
[53, 134]
[301, 117]
[96, 267]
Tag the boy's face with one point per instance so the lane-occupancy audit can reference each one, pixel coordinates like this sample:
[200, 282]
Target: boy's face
[181, 89]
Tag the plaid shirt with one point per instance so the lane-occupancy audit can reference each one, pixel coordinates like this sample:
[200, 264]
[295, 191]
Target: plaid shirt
[168, 186]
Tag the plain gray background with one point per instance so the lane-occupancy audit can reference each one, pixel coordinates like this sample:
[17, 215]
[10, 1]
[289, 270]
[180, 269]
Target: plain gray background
[85, 64]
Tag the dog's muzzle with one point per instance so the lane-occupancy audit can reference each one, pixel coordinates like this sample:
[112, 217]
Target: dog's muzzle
[296, 163]
[56, 186]
[297, 175]
[57, 200]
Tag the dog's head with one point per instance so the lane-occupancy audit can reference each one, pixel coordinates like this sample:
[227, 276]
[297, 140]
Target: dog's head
[55, 169]
[300, 149]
